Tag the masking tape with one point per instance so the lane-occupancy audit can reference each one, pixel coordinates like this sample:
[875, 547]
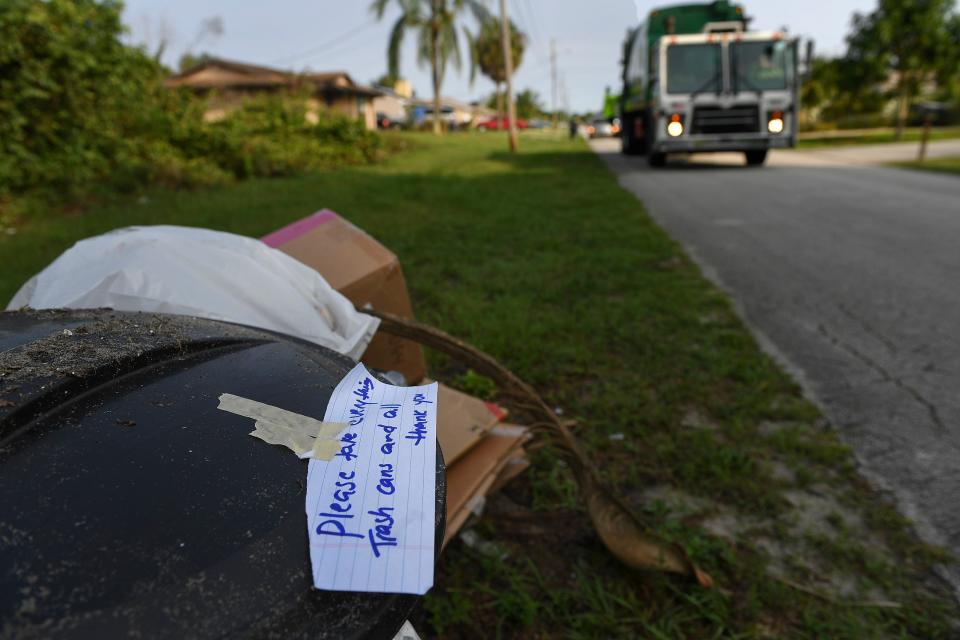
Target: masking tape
[298, 442]
[324, 449]
[276, 415]
[305, 436]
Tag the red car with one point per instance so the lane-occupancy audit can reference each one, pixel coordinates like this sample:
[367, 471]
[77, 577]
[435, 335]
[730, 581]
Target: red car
[495, 124]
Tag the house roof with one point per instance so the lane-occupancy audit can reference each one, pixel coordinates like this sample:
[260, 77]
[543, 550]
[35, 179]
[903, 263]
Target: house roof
[218, 73]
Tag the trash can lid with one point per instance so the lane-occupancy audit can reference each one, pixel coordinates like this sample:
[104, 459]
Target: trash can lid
[132, 505]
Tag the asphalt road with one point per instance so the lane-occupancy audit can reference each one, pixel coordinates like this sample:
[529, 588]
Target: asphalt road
[850, 275]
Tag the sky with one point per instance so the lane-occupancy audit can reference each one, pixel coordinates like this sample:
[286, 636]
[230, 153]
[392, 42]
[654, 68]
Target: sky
[334, 35]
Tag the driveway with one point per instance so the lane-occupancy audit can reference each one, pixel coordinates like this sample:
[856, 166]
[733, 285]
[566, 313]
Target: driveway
[850, 275]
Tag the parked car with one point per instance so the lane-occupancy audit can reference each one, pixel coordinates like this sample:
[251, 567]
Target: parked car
[603, 128]
[500, 124]
[386, 122]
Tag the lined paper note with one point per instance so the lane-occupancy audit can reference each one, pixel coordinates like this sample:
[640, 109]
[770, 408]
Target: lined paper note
[371, 507]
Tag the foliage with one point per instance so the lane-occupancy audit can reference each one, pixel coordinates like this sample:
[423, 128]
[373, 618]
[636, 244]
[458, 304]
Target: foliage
[189, 60]
[269, 136]
[836, 88]
[80, 111]
[386, 80]
[908, 38]
[435, 24]
[487, 49]
[948, 70]
[71, 95]
[529, 104]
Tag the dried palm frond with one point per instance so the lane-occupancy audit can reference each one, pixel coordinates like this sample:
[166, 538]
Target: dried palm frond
[620, 530]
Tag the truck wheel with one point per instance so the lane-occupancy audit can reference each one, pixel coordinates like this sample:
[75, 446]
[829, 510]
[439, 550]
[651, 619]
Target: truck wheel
[756, 157]
[657, 159]
[629, 145]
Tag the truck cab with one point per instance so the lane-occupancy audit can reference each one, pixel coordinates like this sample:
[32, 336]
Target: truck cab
[721, 89]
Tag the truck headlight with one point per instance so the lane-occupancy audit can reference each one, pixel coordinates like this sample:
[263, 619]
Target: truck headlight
[775, 122]
[675, 126]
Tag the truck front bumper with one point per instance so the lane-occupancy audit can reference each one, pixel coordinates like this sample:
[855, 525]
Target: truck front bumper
[700, 143]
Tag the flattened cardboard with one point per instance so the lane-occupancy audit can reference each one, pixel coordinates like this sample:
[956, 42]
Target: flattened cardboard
[512, 467]
[477, 470]
[456, 520]
[461, 421]
[364, 271]
[488, 485]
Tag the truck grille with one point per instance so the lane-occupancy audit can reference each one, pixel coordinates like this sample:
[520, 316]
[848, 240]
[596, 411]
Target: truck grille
[744, 119]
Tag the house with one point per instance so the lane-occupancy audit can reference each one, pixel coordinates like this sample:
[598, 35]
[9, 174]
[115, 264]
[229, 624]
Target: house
[391, 104]
[228, 82]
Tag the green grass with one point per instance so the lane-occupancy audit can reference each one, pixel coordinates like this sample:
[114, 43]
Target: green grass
[943, 165]
[543, 261]
[880, 136]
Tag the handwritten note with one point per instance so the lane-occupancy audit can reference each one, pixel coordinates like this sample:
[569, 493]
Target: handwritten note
[370, 508]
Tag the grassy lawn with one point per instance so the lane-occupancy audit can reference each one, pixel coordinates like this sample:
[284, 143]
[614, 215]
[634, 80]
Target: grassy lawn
[543, 261]
[880, 136]
[944, 165]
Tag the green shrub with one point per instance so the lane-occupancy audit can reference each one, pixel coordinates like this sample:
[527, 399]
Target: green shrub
[71, 94]
[81, 111]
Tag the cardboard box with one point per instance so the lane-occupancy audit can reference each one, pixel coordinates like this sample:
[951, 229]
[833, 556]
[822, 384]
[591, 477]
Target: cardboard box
[364, 271]
[462, 420]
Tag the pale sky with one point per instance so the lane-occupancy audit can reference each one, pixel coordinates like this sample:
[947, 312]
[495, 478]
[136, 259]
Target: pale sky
[328, 35]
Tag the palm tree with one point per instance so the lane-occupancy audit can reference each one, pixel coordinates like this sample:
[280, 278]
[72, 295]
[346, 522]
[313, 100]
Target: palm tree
[487, 54]
[435, 22]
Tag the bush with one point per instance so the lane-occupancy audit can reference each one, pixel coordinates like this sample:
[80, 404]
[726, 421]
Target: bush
[70, 92]
[271, 136]
[80, 111]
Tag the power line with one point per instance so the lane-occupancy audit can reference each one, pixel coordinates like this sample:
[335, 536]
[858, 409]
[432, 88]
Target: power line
[535, 27]
[521, 19]
[330, 43]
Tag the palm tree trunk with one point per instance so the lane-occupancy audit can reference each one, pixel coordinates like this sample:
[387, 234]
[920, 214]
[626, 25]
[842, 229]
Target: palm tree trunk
[435, 66]
[499, 105]
[508, 72]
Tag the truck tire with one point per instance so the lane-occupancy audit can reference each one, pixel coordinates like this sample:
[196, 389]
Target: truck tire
[630, 145]
[756, 157]
[657, 159]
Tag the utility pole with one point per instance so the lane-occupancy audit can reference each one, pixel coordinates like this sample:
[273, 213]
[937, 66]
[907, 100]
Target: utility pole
[553, 79]
[508, 67]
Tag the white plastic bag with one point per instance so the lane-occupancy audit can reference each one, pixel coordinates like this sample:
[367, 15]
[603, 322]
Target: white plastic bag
[203, 273]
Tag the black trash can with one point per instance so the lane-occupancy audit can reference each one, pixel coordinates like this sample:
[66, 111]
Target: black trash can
[132, 506]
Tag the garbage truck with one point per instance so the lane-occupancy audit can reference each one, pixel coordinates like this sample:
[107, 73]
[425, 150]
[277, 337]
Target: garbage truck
[696, 79]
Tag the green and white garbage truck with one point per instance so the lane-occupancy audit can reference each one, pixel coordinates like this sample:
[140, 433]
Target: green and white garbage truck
[695, 79]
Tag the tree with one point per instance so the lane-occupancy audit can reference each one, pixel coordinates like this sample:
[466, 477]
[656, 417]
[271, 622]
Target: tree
[835, 91]
[210, 29]
[487, 53]
[948, 73]
[529, 104]
[386, 80]
[435, 22]
[902, 40]
[189, 60]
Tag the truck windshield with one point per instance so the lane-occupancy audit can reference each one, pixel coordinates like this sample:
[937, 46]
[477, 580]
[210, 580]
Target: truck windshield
[759, 66]
[693, 68]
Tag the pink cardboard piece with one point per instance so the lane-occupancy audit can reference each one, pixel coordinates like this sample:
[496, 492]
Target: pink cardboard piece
[298, 228]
